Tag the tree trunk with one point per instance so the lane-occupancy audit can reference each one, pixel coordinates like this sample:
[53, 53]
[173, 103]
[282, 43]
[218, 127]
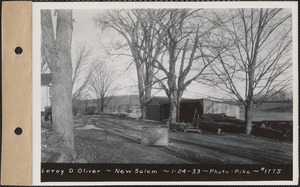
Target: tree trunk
[141, 87]
[179, 96]
[146, 100]
[62, 119]
[143, 111]
[78, 108]
[62, 79]
[173, 109]
[58, 54]
[178, 113]
[86, 107]
[102, 103]
[173, 99]
[248, 118]
[98, 104]
[172, 95]
[172, 82]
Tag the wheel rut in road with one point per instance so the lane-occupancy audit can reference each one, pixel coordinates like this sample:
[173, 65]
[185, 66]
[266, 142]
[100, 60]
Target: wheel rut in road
[191, 148]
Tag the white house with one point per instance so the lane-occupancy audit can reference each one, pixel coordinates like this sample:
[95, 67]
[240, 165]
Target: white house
[45, 90]
[135, 112]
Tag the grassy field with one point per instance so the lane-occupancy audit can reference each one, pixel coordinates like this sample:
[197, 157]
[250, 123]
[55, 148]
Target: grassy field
[271, 111]
[260, 115]
[117, 140]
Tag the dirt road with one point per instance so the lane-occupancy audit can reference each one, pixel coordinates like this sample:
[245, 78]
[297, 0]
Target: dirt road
[117, 140]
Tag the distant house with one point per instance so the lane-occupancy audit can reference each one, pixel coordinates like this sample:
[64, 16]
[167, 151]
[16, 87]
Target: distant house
[45, 90]
[135, 111]
[158, 108]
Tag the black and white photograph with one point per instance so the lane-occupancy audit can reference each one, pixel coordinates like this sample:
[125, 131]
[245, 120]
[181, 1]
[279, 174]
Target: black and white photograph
[181, 92]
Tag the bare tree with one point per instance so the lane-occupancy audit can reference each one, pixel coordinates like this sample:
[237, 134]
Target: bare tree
[284, 95]
[184, 33]
[57, 52]
[86, 104]
[101, 84]
[144, 40]
[258, 55]
[76, 106]
[81, 74]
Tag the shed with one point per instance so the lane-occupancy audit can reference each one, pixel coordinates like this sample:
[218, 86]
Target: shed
[158, 108]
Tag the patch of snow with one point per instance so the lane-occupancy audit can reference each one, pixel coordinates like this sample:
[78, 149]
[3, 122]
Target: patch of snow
[88, 127]
[134, 115]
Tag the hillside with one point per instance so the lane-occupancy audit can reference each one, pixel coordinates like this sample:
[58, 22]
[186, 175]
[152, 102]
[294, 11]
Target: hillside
[122, 103]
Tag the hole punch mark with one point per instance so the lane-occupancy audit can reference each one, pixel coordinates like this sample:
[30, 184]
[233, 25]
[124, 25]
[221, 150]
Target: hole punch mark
[18, 131]
[18, 50]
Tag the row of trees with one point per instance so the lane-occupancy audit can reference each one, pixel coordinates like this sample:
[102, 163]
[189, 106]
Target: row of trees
[91, 78]
[244, 52]
[120, 104]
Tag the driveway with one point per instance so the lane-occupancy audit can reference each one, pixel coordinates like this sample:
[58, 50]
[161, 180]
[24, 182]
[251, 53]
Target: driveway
[117, 140]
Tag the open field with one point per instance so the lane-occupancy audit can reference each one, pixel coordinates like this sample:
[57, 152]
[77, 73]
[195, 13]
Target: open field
[262, 115]
[117, 140]
[271, 111]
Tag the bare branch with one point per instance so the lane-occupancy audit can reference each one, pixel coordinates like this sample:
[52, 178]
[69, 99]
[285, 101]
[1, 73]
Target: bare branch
[257, 57]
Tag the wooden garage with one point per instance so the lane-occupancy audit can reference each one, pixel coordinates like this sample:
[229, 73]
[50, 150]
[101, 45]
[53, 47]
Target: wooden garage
[158, 108]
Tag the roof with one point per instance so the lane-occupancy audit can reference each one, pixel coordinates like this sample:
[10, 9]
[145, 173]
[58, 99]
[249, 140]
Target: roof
[135, 107]
[161, 100]
[165, 100]
[189, 100]
[46, 79]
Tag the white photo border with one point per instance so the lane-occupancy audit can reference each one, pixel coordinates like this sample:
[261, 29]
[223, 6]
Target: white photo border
[36, 114]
